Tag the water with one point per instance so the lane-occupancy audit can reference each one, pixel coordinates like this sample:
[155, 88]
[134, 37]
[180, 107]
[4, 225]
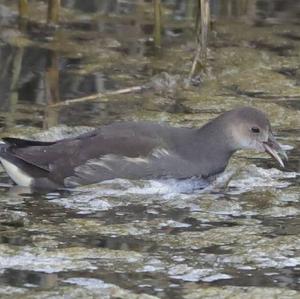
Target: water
[152, 239]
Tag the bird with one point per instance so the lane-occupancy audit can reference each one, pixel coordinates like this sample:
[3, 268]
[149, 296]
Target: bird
[139, 150]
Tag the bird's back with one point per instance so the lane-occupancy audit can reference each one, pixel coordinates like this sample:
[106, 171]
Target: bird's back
[127, 150]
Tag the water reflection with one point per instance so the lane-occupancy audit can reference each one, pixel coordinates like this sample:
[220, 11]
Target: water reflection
[29, 279]
[49, 72]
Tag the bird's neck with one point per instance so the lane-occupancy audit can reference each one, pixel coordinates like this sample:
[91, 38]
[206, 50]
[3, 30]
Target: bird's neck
[215, 147]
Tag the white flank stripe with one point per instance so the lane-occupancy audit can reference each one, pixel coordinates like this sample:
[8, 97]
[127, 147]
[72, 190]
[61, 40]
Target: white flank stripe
[136, 160]
[160, 152]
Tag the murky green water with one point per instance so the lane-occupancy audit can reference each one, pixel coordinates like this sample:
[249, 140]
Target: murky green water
[147, 239]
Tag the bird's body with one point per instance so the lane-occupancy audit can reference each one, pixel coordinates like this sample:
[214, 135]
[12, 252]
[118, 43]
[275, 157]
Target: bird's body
[131, 150]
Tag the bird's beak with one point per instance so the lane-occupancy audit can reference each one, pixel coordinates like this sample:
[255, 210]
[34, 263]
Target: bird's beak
[273, 148]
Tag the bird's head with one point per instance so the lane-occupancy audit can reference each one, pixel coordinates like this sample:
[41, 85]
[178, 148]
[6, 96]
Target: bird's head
[250, 129]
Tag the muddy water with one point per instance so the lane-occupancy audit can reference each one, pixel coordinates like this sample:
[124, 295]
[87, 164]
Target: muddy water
[150, 239]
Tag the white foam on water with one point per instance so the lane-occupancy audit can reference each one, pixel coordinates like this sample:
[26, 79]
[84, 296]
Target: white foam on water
[180, 193]
[43, 261]
[89, 283]
[192, 275]
[165, 187]
[174, 224]
[186, 273]
[253, 177]
[109, 194]
[215, 277]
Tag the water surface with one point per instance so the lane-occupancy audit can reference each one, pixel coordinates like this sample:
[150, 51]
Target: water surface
[148, 239]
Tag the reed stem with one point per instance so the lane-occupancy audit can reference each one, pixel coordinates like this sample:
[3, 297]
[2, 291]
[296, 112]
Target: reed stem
[157, 23]
[53, 11]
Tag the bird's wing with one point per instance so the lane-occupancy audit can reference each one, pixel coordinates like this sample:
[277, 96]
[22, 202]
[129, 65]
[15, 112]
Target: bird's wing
[158, 163]
[107, 153]
[89, 158]
[132, 151]
[18, 142]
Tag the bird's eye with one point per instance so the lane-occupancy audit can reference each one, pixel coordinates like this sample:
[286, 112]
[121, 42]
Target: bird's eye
[255, 130]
